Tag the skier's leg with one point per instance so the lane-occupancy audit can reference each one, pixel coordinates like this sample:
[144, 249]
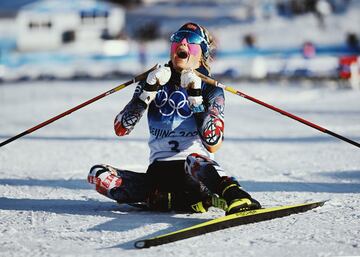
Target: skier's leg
[170, 190]
[204, 170]
[122, 186]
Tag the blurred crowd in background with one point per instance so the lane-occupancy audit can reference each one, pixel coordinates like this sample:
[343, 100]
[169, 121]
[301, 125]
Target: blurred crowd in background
[257, 40]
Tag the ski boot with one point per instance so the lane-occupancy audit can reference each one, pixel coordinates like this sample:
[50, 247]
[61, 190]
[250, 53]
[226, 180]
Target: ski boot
[237, 200]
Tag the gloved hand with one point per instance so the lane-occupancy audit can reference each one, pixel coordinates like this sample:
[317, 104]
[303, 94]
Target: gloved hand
[155, 79]
[192, 83]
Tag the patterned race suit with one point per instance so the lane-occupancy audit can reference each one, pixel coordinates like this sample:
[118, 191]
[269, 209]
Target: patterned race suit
[175, 131]
[181, 145]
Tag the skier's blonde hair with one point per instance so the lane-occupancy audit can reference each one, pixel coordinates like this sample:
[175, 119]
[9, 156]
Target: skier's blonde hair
[206, 60]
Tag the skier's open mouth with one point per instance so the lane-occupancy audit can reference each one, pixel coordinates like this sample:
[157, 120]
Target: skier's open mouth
[182, 54]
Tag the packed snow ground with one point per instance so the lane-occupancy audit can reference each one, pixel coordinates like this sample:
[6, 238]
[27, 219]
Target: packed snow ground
[48, 209]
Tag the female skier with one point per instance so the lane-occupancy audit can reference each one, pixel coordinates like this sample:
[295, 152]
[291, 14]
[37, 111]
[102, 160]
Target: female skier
[186, 124]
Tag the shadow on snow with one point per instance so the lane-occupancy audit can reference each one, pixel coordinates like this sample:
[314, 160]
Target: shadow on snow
[308, 139]
[122, 217]
[126, 218]
[353, 186]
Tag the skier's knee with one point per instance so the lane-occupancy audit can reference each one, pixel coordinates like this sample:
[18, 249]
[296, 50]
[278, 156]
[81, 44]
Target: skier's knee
[203, 169]
[200, 166]
[194, 163]
[104, 178]
[94, 172]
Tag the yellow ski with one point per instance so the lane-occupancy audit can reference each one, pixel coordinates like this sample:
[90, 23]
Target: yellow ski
[232, 220]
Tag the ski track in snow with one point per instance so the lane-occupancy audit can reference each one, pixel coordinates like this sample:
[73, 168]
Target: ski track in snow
[48, 209]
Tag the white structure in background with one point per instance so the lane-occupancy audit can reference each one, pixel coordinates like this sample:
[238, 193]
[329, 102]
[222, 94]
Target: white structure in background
[81, 26]
[355, 74]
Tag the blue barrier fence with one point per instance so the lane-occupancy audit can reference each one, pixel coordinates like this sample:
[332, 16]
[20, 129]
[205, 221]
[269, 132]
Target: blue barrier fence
[11, 59]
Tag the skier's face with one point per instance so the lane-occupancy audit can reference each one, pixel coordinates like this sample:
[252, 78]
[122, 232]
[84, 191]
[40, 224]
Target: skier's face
[185, 56]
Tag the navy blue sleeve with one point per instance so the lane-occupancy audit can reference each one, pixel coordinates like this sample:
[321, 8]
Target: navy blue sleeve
[126, 120]
[210, 123]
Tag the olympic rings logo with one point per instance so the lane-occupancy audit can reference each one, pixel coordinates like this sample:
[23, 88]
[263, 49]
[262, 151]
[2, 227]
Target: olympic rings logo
[175, 103]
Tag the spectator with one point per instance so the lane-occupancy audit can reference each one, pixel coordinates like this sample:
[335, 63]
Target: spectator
[309, 50]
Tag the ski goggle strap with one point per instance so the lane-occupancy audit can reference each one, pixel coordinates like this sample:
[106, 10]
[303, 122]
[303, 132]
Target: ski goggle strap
[192, 38]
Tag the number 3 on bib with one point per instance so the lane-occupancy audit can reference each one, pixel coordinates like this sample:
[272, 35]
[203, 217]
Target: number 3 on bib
[175, 146]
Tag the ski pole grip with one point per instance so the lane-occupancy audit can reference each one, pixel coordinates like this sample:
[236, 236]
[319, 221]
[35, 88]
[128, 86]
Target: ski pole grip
[144, 75]
[206, 79]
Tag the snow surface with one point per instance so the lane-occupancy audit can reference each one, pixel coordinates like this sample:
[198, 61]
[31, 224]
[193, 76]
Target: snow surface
[48, 209]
